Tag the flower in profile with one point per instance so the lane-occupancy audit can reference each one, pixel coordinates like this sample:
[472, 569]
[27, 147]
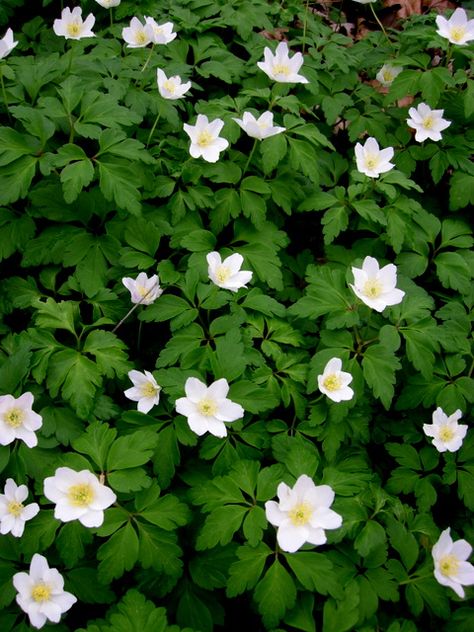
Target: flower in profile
[207, 407]
[428, 123]
[458, 29]
[227, 274]
[371, 160]
[446, 432]
[18, 420]
[451, 567]
[259, 128]
[143, 290]
[335, 383]
[302, 514]
[172, 87]
[376, 286]
[387, 74]
[41, 593]
[137, 35]
[78, 496]
[280, 67]
[145, 390]
[71, 25]
[13, 513]
[205, 139]
[160, 33]
[108, 4]
[7, 44]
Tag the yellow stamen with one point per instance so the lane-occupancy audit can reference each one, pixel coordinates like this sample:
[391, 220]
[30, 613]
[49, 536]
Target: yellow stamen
[222, 274]
[207, 407]
[332, 382]
[15, 508]
[140, 37]
[41, 592]
[205, 139]
[14, 417]
[449, 565]
[148, 390]
[281, 69]
[388, 76]
[372, 288]
[428, 122]
[458, 33]
[81, 495]
[300, 514]
[170, 86]
[73, 29]
[446, 433]
[371, 162]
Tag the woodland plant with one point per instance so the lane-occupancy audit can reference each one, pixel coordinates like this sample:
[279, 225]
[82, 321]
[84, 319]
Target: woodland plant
[236, 265]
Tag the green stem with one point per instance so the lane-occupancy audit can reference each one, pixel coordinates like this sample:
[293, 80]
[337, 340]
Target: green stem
[148, 58]
[412, 580]
[379, 23]
[305, 24]
[69, 67]
[255, 142]
[154, 127]
[4, 93]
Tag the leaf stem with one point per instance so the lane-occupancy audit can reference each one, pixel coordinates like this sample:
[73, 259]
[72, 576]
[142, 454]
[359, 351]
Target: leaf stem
[4, 93]
[252, 151]
[153, 127]
[148, 58]
[412, 580]
[380, 23]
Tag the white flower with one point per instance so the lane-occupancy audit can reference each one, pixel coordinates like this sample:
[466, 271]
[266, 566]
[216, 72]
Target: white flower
[137, 35]
[428, 123]
[143, 290]
[13, 513]
[108, 4]
[280, 67]
[458, 29]
[446, 432]
[207, 407]
[205, 139]
[41, 594]
[302, 514]
[227, 274]
[171, 88]
[18, 420]
[160, 33]
[376, 286]
[78, 496]
[259, 128]
[451, 567]
[71, 25]
[371, 160]
[7, 44]
[387, 74]
[145, 390]
[334, 382]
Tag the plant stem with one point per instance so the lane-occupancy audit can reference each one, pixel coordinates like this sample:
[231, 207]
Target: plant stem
[154, 127]
[148, 58]
[412, 580]
[379, 23]
[255, 142]
[305, 24]
[4, 93]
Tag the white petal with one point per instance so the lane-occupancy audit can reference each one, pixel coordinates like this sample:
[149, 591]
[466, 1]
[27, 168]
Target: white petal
[195, 389]
[291, 537]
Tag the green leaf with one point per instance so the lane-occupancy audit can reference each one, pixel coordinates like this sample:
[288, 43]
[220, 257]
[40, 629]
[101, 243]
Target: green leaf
[421, 345]
[71, 542]
[131, 450]
[341, 616]
[16, 178]
[245, 573]
[275, 594]
[74, 177]
[159, 550]
[129, 480]
[15, 232]
[117, 178]
[461, 190]
[229, 360]
[14, 145]
[220, 526]
[334, 221]
[118, 554]
[96, 442]
[403, 542]
[273, 151]
[379, 366]
[167, 512]
[62, 315]
[453, 271]
[108, 351]
[14, 369]
[315, 572]
[370, 538]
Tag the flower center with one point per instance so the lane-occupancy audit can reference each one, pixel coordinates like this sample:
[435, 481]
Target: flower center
[222, 274]
[140, 37]
[446, 434]
[332, 382]
[81, 495]
[300, 514]
[371, 161]
[458, 33]
[372, 288]
[204, 139]
[170, 86]
[148, 390]
[207, 407]
[388, 76]
[14, 417]
[73, 29]
[15, 508]
[449, 565]
[281, 69]
[142, 290]
[41, 592]
[428, 122]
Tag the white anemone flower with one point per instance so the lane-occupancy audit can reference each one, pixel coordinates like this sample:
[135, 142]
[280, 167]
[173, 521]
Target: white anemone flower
[259, 128]
[387, 74]
[375, 286]
[137, 35]
[145, 390]
[160, 33]
[18, 420]
[108, 4]
[13, 513]
[41, 593]
[143, 290]
[451, 567]
[458, 29]
[7, 44]
[71, 25]
[303, 514]
[78, 496]
[205, 139]
[279, 67]
[207, 407]
[171, 87]
[335, 383]
[447, 434]
[428, 123]
[227, 274]
[371, 160]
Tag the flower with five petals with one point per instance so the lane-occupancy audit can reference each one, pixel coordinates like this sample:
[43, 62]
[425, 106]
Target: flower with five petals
[334, 383]
[71, 25]
[18, 420]
[205, 139]
[227, 274]
[145, 390]
[171, 87]
[143, 290]
[13, 513]
[371, 160]
[428, 123]
[160, 33]
[137, 35]
[259, 128]
[447, 434]
[279, 67]
[375, 286]
[451, 567]
[458, 29]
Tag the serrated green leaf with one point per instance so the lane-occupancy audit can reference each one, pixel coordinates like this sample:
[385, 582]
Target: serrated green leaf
[245, 573]
[379, 366]
[315, 572]
[108, 351]
[220, 526]
[275, 594]
[96, 442]
[118, 554]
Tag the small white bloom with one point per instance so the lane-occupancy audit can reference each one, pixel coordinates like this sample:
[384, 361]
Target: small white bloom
[41, 593]
[302, 513]
[371, 160]
[145, 390]
[259, 128]
[280, 67]
[172, 87]
[137, 35]
[18, 420]
[71, 25]
[458, 29]
[451, 567]
[205, 139]
[376, 286]
[207, 407]
[387, 74]
[227, 274]
[428, 123]
[13, 513]
[78, 496]
[160, 33]
[143, 290]
[108, 4]
[334, 382]
[7, 44]
[446, 432]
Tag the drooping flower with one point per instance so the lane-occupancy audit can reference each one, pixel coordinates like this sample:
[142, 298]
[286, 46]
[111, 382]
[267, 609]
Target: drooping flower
[279, 67]
[78, 496]
[172, 87]
[71, 25]
[387, 74]
[7, 44]
[428, 123]
[205, 139]
[259, 128]
[143, 290]
[108, 4]
[458, 29]
[227, 274]
[13, 513]
[41, 593]
[302, 514]
[160, 33]
[137, 35]
[18, 420]
[335, 383]
[145, 390]
[451, 567]
[446, 432]
[376, 286]
[207, 407]
[371, 160]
